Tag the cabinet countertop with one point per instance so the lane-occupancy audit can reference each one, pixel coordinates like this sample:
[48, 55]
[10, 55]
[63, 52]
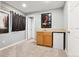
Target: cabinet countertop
[52, 30]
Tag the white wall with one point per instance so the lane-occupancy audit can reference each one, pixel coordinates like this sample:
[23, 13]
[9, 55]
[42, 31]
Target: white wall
[11, 37]
[57, 19]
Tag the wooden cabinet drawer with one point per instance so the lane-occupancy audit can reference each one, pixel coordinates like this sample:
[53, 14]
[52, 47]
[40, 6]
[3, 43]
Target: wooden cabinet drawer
[39, 33]
[47, 33]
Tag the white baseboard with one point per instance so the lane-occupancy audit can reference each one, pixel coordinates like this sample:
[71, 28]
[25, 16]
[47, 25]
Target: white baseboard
[12, 45]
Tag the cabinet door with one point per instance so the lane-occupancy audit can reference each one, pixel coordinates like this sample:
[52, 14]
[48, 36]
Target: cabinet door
[47, 39]
[58, 40]
[40, 38]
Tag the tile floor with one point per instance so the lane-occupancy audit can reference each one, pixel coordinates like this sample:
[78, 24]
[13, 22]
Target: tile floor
[28, 48]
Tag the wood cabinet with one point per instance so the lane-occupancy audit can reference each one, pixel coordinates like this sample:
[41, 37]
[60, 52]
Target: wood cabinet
[40, 38]
[52, 38]
[44, 38]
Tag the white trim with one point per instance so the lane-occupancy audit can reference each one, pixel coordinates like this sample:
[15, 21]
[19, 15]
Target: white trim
[66, 52]
[12, 45]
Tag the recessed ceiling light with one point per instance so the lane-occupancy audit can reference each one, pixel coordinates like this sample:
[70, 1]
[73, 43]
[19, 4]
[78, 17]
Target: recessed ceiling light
[23, 5]
[47, 1]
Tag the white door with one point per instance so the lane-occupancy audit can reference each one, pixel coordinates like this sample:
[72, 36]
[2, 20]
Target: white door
[33, 28]
[73, 27]
[29, 29]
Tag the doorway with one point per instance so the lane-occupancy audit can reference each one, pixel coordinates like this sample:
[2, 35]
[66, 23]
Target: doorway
[31, 28]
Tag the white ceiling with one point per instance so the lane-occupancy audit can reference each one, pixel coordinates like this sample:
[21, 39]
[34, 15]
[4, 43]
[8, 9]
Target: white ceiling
[36, 6]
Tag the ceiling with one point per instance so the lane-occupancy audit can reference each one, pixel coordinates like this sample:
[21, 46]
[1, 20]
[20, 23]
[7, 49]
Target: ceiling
[35, 6]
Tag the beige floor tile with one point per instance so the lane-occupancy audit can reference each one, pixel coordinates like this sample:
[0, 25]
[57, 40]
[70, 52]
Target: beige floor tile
[30, 49]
